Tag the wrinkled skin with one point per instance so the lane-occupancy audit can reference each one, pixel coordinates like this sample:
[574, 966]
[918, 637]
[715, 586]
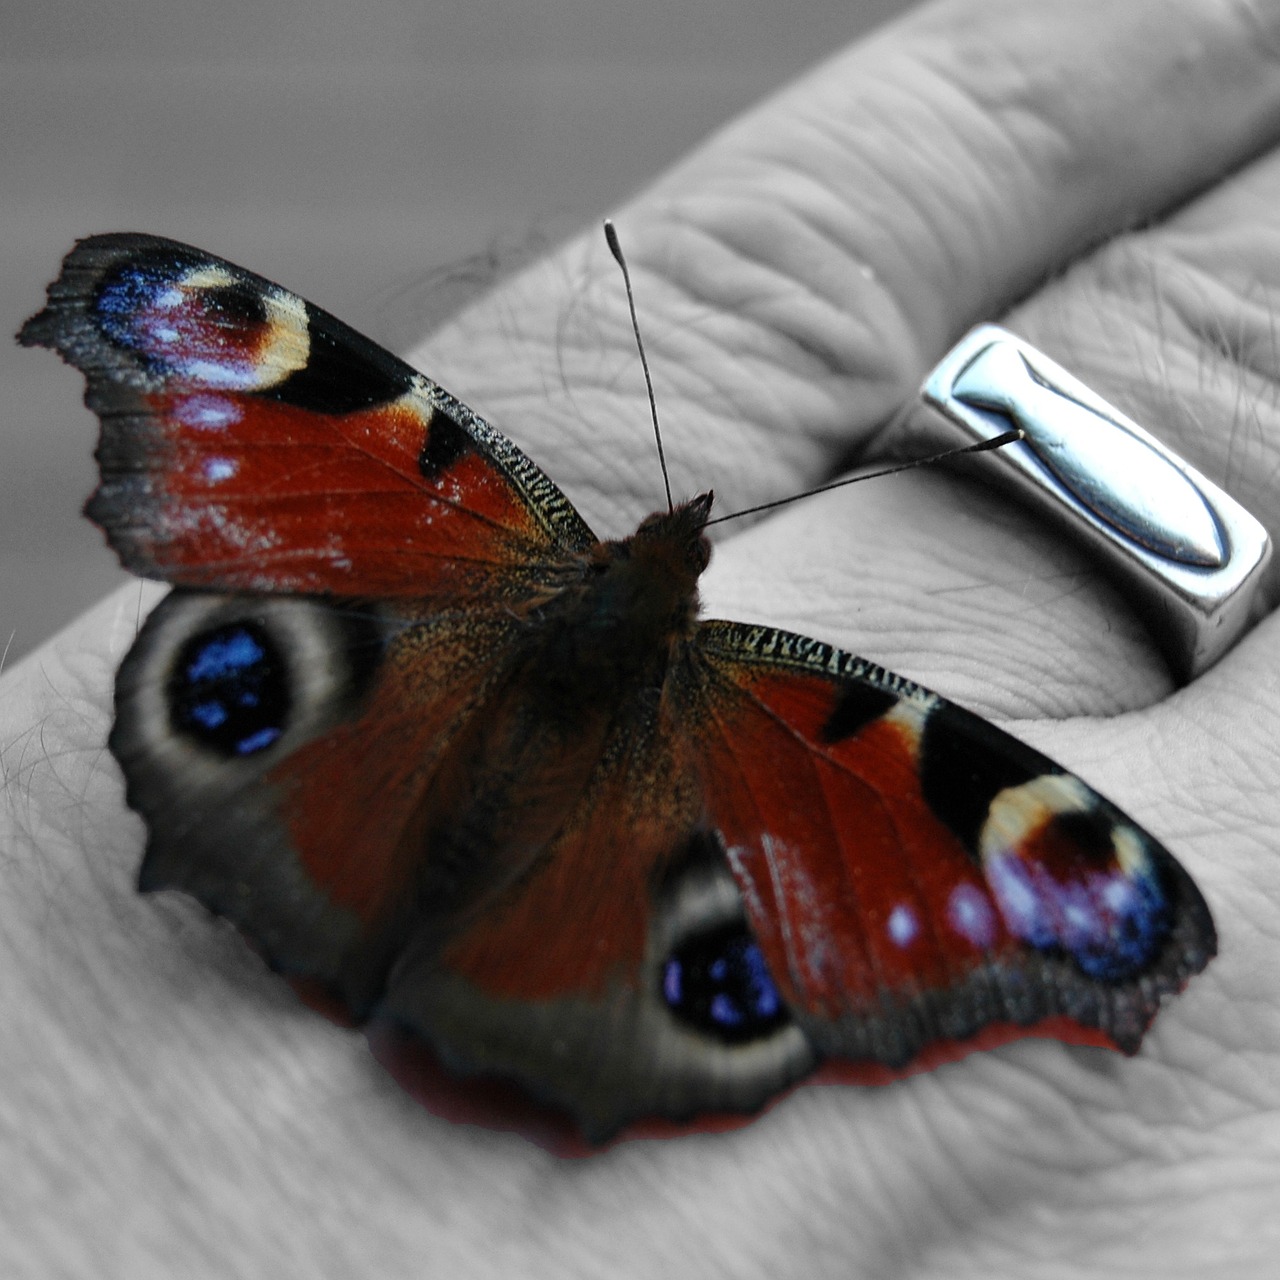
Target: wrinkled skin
[164, 1094]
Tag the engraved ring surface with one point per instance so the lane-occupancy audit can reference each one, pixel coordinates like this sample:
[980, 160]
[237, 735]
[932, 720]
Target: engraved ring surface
[1189, 557]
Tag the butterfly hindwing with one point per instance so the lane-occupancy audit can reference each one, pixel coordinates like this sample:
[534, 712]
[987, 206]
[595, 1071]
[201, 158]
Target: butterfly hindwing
[285, 751]
[623, 1016]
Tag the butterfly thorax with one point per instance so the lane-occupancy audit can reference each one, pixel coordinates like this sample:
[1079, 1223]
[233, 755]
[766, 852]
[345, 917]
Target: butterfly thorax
[627, 606]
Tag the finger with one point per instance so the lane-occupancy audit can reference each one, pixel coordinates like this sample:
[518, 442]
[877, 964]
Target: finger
[964, 589]
[1178, 325]
[799, 273]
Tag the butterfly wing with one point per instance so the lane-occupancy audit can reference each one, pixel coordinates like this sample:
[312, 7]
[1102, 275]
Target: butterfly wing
[797, 856]
[374, 544]
[564, 982]
[286, 752]
[914, 875]
[252, 442]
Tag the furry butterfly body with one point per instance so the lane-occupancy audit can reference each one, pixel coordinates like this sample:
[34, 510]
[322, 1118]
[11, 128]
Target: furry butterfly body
[431, 744]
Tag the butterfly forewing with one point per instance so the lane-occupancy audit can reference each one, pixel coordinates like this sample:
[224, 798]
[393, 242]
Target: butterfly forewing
[250, 441]
[914, 874]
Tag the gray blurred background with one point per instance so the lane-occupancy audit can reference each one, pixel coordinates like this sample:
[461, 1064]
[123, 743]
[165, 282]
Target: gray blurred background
[356, 150]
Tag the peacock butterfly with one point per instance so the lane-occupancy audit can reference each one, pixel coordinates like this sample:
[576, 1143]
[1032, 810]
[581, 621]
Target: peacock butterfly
[440, 752]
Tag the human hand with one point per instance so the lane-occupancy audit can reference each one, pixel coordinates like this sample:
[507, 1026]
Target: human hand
[796, 279]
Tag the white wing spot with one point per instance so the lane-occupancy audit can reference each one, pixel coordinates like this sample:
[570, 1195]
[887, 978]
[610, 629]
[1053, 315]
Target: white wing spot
[903, 927]
[217, 469]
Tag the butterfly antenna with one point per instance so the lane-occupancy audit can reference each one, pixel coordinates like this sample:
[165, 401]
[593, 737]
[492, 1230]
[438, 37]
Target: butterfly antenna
[996, 442]
[615, 248]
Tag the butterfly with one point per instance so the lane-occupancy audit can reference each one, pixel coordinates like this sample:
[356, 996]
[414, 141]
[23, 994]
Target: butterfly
[441, 752]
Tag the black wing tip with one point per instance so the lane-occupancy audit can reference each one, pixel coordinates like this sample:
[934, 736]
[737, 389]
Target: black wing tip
[113, 243]
[84, 261]
[91, 255]
[105, 510]
[37, 330]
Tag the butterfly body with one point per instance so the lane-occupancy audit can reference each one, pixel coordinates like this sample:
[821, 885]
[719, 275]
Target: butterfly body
[434, 746]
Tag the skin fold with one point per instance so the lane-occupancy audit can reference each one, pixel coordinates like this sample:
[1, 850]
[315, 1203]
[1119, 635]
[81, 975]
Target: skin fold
[168, 1105]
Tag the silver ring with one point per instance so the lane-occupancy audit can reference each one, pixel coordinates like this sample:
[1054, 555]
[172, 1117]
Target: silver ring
[1187, 554]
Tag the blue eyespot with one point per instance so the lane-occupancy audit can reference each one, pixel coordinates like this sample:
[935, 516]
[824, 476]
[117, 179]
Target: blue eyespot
[1111, 921]
[1135, 919]
[204, 327]
[128, 294]
[230, 690]
[718, 982]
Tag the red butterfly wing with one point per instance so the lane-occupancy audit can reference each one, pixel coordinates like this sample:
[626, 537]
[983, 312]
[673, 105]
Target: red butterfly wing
[562, 981]
[250, 441]
[287, 754]
[912, 874]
